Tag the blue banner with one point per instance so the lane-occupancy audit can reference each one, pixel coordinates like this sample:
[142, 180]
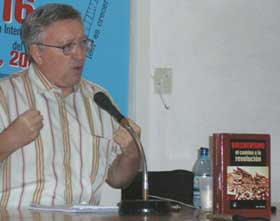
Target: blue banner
[106, 22]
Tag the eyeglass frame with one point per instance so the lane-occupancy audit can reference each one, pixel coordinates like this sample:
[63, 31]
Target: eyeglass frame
[89, 44]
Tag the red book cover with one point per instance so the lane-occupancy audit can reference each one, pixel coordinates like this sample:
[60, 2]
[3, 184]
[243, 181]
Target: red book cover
[241, 174]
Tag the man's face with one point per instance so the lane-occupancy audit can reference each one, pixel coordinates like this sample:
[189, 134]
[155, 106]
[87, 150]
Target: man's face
[62, 70]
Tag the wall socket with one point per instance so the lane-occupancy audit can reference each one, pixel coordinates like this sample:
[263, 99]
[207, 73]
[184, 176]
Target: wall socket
[162, 80]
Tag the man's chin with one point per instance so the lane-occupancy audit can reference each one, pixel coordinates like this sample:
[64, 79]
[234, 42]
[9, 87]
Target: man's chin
[76, 76]
[75, 79]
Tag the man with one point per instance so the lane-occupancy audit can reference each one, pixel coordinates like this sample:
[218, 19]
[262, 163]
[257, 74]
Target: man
[56, 145]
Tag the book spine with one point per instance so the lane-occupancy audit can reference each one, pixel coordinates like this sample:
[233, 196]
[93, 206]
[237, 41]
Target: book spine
[216, 174]
[224, 163]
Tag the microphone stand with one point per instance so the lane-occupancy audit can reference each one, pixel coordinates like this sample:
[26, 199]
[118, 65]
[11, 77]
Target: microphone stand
[143, 206]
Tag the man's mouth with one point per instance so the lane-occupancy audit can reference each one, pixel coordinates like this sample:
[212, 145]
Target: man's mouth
[78, 68]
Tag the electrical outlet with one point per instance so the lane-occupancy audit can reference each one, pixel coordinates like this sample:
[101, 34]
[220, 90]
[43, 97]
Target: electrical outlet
[162, 80]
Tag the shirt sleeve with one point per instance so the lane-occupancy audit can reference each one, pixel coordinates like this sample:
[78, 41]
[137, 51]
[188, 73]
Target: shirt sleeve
[2, 116]
[2, 125]
[4, 122]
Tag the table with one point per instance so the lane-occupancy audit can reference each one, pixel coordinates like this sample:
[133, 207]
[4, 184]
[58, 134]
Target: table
[184, 214]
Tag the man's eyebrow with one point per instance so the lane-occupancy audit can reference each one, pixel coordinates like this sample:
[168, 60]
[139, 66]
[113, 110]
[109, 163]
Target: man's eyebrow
[73, 40]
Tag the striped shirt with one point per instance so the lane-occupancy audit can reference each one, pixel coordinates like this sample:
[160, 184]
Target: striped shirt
[68, 162]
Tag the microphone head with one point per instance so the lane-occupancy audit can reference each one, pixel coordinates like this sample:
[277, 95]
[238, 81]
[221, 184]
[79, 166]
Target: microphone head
[103, 101]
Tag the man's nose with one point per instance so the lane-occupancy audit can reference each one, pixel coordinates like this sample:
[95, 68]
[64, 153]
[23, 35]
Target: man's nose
[79, 52]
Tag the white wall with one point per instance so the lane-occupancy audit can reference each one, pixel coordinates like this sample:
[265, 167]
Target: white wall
[224, 55]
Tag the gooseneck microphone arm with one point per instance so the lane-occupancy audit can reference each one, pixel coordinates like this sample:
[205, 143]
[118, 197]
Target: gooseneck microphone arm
[145, 187]
[132, 207]
[105, 103]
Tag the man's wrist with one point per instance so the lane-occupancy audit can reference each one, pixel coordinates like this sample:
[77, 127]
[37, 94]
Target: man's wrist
[8, 143]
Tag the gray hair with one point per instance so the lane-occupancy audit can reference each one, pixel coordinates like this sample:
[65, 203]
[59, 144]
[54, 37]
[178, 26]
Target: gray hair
[42, 17]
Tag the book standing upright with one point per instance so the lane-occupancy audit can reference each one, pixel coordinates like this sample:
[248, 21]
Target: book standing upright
[241, 174]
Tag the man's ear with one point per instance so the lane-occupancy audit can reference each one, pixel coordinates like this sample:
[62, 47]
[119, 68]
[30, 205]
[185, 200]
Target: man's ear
[36, 54]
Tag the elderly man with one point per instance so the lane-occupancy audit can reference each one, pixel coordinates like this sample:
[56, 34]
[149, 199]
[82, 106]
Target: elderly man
[56, 145]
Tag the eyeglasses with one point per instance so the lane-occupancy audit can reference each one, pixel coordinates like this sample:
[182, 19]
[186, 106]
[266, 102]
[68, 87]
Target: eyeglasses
[67, 49]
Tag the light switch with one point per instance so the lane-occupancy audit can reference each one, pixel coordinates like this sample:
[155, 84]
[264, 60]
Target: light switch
[162, 80]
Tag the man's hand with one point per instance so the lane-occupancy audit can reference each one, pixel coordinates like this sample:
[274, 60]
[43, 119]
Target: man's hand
[26, 127]
[126, 165]
[23, 130]
[124, 139]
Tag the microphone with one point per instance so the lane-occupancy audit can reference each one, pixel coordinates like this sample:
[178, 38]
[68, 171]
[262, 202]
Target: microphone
[103, 101]
[130, 207]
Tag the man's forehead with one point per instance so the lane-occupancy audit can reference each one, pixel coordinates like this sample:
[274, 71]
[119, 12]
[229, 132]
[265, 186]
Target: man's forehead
[67, 28]
[64, 22]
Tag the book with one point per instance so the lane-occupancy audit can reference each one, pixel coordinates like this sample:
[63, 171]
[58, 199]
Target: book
[241, 174]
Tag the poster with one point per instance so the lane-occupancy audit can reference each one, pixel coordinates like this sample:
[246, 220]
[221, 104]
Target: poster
[106, 22]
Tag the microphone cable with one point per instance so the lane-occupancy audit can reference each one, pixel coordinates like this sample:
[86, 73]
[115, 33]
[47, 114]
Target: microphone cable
[173, 201]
